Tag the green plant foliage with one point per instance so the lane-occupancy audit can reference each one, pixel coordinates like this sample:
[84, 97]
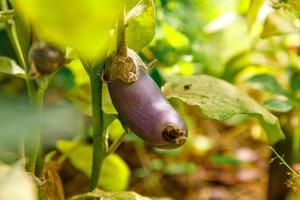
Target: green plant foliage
[141, 29]
[253, 10]
[9, 66]
[175, 39]
[83, 25]
[114, 173]
[225, 160]
[220, 100]
[268, 83]
[278, 105]
[279, 23]
[6, 15]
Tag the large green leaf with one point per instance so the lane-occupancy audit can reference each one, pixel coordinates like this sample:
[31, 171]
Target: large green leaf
[9, 66]
[220, 101]
[114, 173]
[83, 25]
[141, 30]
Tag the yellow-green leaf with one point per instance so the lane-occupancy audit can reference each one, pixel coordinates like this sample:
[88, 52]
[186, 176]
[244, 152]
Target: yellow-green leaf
[114, 174]
[219, 100]
[82, 25]
[141, 29]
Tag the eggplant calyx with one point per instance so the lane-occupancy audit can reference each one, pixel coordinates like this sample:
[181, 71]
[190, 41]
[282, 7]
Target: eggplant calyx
[174, 135]
[125, 68]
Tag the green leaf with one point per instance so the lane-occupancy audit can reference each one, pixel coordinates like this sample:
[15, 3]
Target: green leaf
[278, 23]
[220, 101]
[141, 29]
[82, 25]
[114, 174]
[253, 10]
[174, 38]
[278, 105]
[6, 15]
[268, 83]
[225, 160]
[99, 194]
[9, 66]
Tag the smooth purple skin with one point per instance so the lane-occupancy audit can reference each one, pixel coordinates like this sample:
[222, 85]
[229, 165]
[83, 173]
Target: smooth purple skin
[146, 111]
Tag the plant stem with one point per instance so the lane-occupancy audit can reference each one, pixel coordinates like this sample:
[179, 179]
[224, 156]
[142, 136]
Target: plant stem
[116, 144]
[121, 35]
[35, 97]
[296, 139]
[99, 148]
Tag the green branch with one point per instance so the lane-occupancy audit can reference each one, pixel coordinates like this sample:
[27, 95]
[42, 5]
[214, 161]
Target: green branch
[99, 148]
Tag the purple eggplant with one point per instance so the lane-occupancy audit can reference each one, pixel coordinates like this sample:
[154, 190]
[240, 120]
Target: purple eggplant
[147, 113]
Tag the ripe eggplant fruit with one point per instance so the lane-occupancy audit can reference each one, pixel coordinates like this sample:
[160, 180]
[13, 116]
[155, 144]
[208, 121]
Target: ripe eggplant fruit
[44, 58]
[146, 111]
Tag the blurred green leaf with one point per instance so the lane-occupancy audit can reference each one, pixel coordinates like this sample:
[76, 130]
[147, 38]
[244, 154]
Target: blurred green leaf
[246, 58]
[6, 15]
[268, 83]
[278, 105]
[15, 183]
[9, 66]
[253, 10]
[294, 78]
[175, 38]
[180, 168]
[278, 23]
[98, 194]
[220, 101]
[141, 30]
[225, 160]
[82, 25]
[115, 173]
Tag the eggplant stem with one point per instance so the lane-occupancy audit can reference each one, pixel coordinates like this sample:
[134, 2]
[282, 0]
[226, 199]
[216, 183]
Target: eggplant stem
[121, 35]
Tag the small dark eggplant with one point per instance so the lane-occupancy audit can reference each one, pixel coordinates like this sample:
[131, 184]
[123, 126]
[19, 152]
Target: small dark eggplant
[44, 58]
[147, 113]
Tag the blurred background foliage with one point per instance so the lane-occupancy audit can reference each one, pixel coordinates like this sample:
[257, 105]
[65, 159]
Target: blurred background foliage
[254, 44]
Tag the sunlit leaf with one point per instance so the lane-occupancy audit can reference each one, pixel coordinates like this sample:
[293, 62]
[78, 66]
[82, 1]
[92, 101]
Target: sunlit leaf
[141, 30]
[220, 100]
[9, 66]
[247, 58]
[99, 194]
[268, 83]
[114, 173]
[278, 105]
[82, 25]
[16, 184]
[175, 38]
[253, 10]
[278, 23]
